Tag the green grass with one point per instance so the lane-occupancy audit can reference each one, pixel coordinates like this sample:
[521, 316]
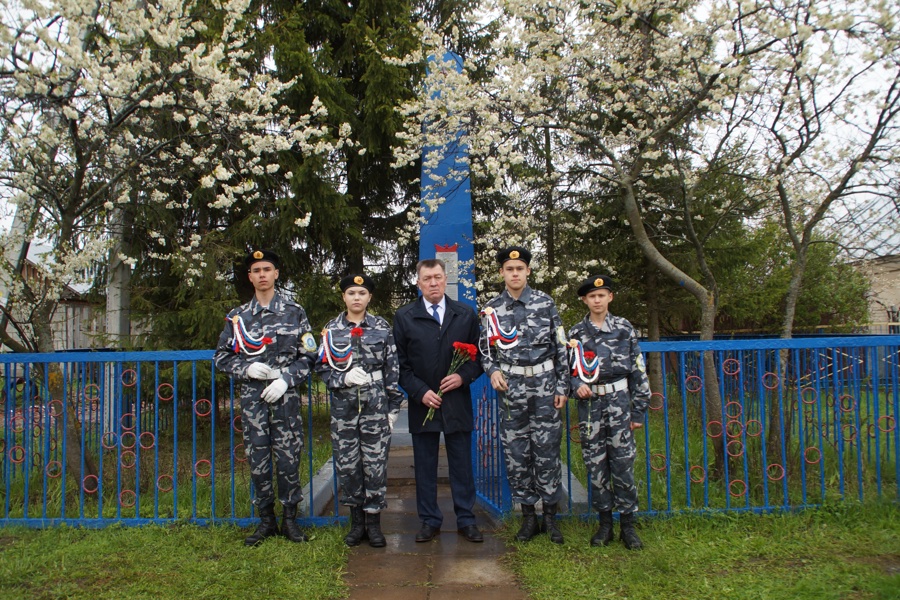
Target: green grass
[840, 551]
[145, 478]
[178, 561]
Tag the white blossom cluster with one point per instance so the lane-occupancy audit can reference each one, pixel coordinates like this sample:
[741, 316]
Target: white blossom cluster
[112, 102]
[798, 100]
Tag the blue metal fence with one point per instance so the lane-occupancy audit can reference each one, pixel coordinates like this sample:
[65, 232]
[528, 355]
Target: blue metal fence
[801, 422]
[95, 438]
[90, 438]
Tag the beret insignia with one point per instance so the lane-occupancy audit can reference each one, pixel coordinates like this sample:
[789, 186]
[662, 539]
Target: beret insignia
[514, 254]
[358, 280]
[598, 282]
[258, 254]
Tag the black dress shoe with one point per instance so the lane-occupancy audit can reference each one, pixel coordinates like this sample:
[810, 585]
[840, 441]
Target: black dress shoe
[471, 533]
[427, 533]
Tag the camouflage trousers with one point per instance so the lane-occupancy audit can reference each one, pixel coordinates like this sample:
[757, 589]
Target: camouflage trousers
[274, 431]
[608, 448]
[531, 430]
[360, 438]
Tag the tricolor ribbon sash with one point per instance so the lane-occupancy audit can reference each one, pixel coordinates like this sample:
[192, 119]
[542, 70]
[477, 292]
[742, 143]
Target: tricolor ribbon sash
[243, 342]
[498, 336]
[587, 368]
[338, 358]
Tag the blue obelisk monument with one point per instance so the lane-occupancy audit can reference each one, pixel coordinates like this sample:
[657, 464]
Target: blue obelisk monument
[446, 232]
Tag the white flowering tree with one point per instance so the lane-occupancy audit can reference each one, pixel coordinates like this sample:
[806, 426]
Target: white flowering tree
[113, 110]
[653, 107]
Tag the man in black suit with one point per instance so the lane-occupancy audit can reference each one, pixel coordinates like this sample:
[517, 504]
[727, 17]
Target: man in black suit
[424, 332]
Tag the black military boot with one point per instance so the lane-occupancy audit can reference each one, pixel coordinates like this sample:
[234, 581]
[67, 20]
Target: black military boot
[549, 525]
[628, 535]
[289, 527]
[604, 533]
[357, 527]
[373, 530]
[267, 527]
[529, 527]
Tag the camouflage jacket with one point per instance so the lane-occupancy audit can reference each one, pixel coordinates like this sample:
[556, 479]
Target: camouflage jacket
[616, 347]
[293, 347]
[379, 353]
[540, 333]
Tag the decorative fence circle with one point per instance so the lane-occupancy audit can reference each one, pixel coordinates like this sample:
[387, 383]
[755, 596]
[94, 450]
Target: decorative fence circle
[17, 454]
[170, 390]
[693, 384]
[710, 433]
[109, 440]
[128, 459]
[697, 478]
[658, 462]
[814, 458]
[127, 498]
[92, 392]
[152, 440]
[165, 488]
[737, 450]
[53, 469]
[202, 468]
[660, 401]
[734, 410]
[131, 437]
[848, 403]
[777, 474]
[753, 428]
[129, 378]
[242, 455]
[809, 395]
[731, 366]
[734, 429]
[889, 423]
[770, 381]
[84, 484]
[237, 424]
[742, 487]
[125, 419]
[204, 412]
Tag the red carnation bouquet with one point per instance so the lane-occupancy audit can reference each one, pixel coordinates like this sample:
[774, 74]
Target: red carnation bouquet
[462, 353]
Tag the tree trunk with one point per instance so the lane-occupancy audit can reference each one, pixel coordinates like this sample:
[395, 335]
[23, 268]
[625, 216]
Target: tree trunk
[708, 314]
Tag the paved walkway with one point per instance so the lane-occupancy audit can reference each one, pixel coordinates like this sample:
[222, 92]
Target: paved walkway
[444, 568]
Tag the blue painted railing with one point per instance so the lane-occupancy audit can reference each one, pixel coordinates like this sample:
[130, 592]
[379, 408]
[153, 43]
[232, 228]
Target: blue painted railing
[89, 438]
[95, 438]
[837, 436]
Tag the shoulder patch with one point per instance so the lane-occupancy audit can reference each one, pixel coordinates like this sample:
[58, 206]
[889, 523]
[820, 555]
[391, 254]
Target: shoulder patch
[561, 335]
[308, 341]
[642, 367]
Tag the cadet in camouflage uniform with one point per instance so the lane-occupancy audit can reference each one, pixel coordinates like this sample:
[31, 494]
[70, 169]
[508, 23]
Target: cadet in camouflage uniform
[614, 392]
[267, 345]
[524, 353]
[362, 372]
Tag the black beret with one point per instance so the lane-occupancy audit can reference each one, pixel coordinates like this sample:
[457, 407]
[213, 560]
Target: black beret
[261, 256]
[595, 282]
[514, 253]
[361, 280]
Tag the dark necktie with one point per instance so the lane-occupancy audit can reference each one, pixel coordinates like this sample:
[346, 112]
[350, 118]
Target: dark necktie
[434, 313]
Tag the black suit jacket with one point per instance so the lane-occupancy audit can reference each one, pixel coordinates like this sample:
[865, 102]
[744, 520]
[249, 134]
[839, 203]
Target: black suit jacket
[425, 350]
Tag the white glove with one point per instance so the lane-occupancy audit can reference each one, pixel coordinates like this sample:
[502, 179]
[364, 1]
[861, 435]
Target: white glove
[274, 373]
[392, 418]
[356, 376]
[274, 390]
[259, 370]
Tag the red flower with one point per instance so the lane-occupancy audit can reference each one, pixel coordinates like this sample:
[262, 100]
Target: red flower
[267, 340]
[462, 353]
[469, 349]
[356, 332]
[589, 355]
